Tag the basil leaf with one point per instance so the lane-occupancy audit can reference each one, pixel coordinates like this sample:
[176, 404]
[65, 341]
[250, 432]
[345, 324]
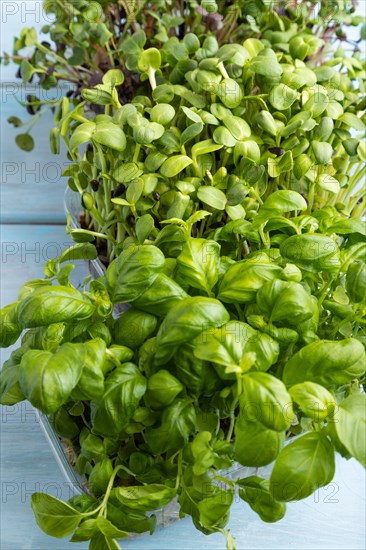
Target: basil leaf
[273, 402]
[185, 321]
[86, 530]
[10, 329]
[10, 392]
[214, 511]
[302, 467]
[145, 497]
[243, 279]
[54, 517]
[53, 304]
[133, 271]
[255, 491]
[161, 296]
[312, 253]
[314, 400]
[255, 445]
[178, 422]
[133, 327]
[91, 382]
[197, 264]
[350, 424]
[326, 362]
[47, 379]
[124, 388]
[101, 542]
[110, 530]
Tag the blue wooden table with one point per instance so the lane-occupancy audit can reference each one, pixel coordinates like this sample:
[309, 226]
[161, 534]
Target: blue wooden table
[33, 231]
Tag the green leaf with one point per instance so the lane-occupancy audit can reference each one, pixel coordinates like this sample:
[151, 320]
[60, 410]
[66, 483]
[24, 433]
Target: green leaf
[204, 147]
[124, 388]
[25, 142]
[10, 392]
[113, 77]
[145, 497]
[54, 517]
[97, 95]
[174, 165]
[284, 201]
[255, 491]
[214, 510]
[266, 64]
[144, 226]
[255, 445]
[197, 264]
[192, 131]
[133, 327]
[163, 113]
[133, 272]
[101, 542]
[185, 321]
[274, 405]
[162, 389]
[212, 197]
[10, 329]
[280, 165]
[302, 467]
[314, 400]
[243, 279]
[326, 362]
[149, 59]
[221, 346]
[311, 252]
[350, 425]
[86, 530]
[178, 423]
[126, 172]
[282, 97]
[47, 379]
[267, 123]
[110, 530]
[323, 151]
[353, 121]
[111, 135]
[82, 251]
[91, 382]
[82, 134]
[54, 304]
[329, 183]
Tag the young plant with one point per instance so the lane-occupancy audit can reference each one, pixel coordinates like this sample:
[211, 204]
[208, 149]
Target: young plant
[84, 39]
[223, 129]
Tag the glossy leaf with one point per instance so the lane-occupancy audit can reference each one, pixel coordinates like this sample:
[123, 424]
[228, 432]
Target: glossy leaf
[303, 466]
[197, 264]
[54, 304]
[47, 379]
[54, 517]
[124, 388]
[326, 362]
[350, 424]
[145, 497]
[255, 491]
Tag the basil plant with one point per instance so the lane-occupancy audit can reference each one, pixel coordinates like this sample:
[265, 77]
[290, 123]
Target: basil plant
[218, 361]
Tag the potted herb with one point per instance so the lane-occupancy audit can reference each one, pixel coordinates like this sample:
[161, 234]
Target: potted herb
[216, 362]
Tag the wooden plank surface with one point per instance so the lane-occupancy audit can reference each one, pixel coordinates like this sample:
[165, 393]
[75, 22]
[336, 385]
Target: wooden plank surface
[332, 518]
[31, 188]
